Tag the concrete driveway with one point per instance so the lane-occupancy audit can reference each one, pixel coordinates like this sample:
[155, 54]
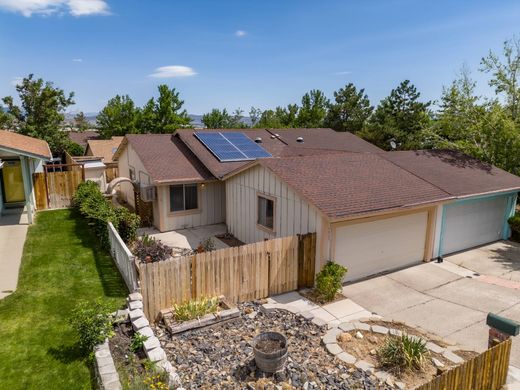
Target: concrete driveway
[451, 299]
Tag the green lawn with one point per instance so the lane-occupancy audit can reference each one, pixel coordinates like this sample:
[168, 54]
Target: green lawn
[62, 264]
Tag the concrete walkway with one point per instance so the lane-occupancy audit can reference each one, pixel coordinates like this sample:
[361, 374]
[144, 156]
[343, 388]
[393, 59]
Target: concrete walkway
[188, 238]
[12, 239]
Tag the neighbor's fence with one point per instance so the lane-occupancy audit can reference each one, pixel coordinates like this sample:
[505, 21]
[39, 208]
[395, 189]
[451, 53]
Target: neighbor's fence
[487, 371]
[123, 258]
[55, 190]
[239, 273]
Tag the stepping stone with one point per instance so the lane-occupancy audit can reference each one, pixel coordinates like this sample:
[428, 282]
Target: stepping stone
[396, 332]
[347, 326]
[156, 354]
[331, 336]
[151, 343]
[146, 331]
[333, 324]
[400, 385]
[452, 357]
[346, 357]
[365, 366]
[318, 321]
[382, 375]
[140, 323]
[135, 297]
[434, 347]
[362, 326]
[307, 315]
[379, 329]
[134, 305]
[437, 363]
[334, 348]
[135, 314]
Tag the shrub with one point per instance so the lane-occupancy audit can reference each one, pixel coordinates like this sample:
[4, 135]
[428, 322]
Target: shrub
[514, 222]
[195, 309]
[328, 280]
[137, 342]
[93, 323]
[403, 352]
[206, 245]
[152, 248]
[74, 149]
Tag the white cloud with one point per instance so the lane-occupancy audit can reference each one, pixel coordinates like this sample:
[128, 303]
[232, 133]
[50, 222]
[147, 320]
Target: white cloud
[342, 73]
[240, 33]
[77, 60]
[165, 72]
[48, 7]
[16, 80]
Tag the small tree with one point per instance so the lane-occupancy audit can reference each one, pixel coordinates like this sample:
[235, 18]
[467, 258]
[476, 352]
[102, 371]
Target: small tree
[118, 117]
[350, 110]
[328, 280]
[80, 121]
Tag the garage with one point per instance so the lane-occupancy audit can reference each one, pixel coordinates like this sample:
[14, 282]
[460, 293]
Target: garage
[472, 222]
[377, 245]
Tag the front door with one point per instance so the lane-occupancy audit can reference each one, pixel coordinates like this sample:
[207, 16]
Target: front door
[12, 182]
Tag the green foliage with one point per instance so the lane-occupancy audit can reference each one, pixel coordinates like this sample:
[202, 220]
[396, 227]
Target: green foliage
[41, 111]
[74, 149]
[405, 352]
[350, 110]
[514, 222]
[93, 323]
[149, 247]
[91, 203]
[217, 119]
[313, 110]
[137, 342]
[207, 245]
[328, 280]
[80, 122]
[118, 117]
[195, 308]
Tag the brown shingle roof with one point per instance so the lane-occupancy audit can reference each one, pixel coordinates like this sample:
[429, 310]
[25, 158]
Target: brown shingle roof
[454, 172]
[24, 144]
[348, 184]
[81, 137]
[316, 141]
[166, 159]
[104, 148]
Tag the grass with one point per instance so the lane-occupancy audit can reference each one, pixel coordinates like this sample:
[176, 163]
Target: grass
[62, 264]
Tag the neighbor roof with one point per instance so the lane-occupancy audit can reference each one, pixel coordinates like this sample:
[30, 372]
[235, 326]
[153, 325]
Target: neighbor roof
[316, 141]
[81, 137]
[165, 158]
[348, 184]
[22, 144]
[104, 148]
[454, 172]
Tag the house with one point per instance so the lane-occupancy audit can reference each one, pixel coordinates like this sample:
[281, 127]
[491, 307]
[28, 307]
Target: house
[105, 149]
[20, 157]
[82, 137]
[372, 210]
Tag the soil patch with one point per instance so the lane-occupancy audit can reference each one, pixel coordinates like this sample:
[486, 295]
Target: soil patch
[229, 239]
[312, 295]
[270, 346]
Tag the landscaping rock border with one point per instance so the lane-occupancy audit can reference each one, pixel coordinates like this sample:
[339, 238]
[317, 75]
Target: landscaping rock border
[105, 369]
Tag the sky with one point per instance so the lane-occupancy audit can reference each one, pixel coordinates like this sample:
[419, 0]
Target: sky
[242, 53]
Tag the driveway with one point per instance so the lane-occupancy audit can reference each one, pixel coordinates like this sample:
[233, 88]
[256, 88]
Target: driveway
[451, 299]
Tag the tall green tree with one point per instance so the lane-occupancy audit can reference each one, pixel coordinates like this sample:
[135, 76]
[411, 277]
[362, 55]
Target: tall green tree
[254, 115]
[399, 117]
[41, 112]
[313, 110]
[280, 117]
[118, 117]
[80, 121]
[169, 115]
[221, 119]
[505, 74]
[350, 110]
[147, 118]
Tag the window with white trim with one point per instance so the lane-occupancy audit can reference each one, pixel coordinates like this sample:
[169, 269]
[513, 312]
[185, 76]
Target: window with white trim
[183, 197]
[265, 212]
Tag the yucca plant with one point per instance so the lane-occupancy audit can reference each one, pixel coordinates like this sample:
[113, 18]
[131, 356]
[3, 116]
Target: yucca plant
[405, 352]
[195, 309]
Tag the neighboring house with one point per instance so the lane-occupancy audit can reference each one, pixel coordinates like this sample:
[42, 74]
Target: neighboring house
[82, 137]
[372, 210]
[105, 149]
[20, 157]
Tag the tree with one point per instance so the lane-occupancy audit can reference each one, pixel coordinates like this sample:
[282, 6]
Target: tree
[399, 117]
[280, 117]
[80, 121]
[217, 119]
[505, 74]
[118, 117]
[254, 115]
[168, 114]
[147, 118]
[313, 110]
[350, 110]
[41, 112]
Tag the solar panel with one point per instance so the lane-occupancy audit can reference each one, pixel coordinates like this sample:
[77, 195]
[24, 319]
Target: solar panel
[231, 146]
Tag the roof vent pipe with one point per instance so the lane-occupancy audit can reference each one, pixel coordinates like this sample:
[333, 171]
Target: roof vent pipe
[258, 140]
[300, 140]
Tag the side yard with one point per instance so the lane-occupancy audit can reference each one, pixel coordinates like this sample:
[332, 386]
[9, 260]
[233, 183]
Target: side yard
[63, 264]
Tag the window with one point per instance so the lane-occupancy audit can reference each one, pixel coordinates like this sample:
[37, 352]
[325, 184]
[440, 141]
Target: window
[132, 173]
[266, 212]
[183, 197]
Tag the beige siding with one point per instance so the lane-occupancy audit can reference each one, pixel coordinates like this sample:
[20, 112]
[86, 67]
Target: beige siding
[293, 215]
[212, 208]
[129, 159]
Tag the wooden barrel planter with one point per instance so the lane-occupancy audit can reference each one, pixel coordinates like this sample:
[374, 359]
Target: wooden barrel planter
[270, 349]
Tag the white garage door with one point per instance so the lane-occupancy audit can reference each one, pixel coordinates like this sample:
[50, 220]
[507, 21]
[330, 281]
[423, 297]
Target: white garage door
[372, 247]
[473, 223]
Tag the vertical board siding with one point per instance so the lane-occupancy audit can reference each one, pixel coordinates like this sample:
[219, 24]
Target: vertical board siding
[239, 273]
[55, 190]
[293, 215]
[487, 371]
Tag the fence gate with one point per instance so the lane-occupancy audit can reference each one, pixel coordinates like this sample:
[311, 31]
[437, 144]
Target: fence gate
[306, 259]
[54, 190]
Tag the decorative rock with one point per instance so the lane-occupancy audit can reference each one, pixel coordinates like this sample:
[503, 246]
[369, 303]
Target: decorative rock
[345, 337]
[382, 375]
[134, 305]
[365, 366]
[359, 335]
[318, 321]
[390, 381]
[135, 314]
[331, 336]
[346, 357]
[379, 329]
[174, 380]
[437, 363]
[434, 347]
[156, 354]
[396, 332]
[334, 348]
[140, 323]
[135, 297]
[452, 357]
[400, 385]
[151, 343]
[347, 326]
[362, 326]
[333, 324]
[270, 307]
[146, 331]
[167, 366]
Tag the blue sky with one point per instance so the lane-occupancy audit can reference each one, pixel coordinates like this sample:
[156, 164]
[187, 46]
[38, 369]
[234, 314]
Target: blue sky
[246, 53]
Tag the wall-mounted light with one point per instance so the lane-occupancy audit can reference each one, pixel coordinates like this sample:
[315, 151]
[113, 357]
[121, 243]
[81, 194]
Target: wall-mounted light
[203, 186]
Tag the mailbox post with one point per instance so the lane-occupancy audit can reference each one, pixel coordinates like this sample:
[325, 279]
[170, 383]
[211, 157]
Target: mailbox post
[500, 329]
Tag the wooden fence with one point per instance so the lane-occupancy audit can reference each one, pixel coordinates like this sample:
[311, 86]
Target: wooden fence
[123, 258]
[54, 190]
[239, 273]
[487, 371]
